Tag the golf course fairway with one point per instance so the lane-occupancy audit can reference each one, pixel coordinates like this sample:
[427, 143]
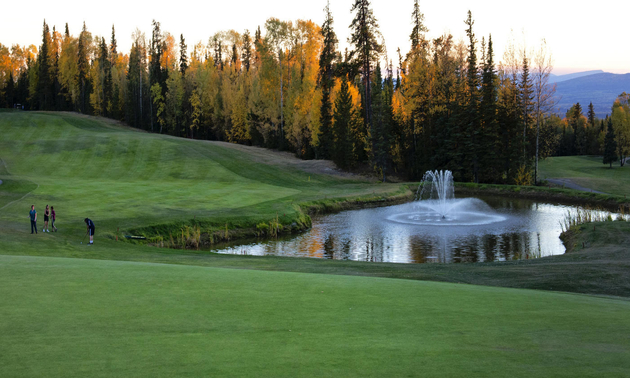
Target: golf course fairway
[72, 317]
[125, 309]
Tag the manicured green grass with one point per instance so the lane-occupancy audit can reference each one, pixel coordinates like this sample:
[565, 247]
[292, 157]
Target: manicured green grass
[77, 318]
[120, 178]
[67, 309]
[589, 172]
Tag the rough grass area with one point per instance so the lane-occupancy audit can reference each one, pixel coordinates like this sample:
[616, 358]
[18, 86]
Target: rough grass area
[589, 172]
[79, 318]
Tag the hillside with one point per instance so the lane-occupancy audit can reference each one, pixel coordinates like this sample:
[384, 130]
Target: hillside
[122, 178]
[602, 89]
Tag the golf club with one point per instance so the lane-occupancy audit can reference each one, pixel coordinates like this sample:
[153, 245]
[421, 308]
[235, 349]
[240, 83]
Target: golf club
[83, 238]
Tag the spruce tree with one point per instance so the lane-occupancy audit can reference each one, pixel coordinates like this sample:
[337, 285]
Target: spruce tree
[246, 55]
[526, 97]
[591, 115]
[380, 125]
[490, 145]
[183, 55]
[106, 77]
[113, 48]
[367, 49]
[610, 145]
[418, 26]
[83, 71]
[472, 128]
[326, 80]
[9, 91]
[44, 82]
[342, 151]
[157, 74]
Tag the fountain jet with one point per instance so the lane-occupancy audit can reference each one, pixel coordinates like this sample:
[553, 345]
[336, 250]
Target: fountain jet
[436, 205]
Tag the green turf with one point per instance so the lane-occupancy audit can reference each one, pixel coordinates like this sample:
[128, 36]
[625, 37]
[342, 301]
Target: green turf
[120, 178]
[589, 172]
[94, 316]
[77, 318]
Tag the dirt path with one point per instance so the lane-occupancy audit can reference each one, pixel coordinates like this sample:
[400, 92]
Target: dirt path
[567, 183]
[287, 159]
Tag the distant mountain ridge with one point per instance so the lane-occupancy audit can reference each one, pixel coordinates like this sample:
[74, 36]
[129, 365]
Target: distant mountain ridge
[560, 78]
[599, 88]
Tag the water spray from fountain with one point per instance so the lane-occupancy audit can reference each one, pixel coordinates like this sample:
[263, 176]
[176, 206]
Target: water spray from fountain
[436, 205]
[437, 186]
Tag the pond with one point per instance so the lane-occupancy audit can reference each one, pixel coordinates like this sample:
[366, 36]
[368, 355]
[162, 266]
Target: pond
[517, 229]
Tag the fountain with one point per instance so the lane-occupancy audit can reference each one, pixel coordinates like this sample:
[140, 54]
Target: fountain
[436, 205]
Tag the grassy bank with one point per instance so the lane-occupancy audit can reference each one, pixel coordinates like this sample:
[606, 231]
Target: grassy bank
[589, 172]
[546, 193]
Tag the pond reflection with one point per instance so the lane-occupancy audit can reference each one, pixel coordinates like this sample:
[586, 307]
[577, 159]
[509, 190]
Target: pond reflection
[530, 229]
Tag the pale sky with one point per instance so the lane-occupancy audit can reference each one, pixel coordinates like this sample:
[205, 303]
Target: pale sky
[581, 37]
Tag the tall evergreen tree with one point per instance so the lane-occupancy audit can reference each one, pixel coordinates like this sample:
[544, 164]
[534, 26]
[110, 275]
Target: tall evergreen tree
[472, 120]
[58, 98]
[326, 81]
[576, 121]
[44, 82]
[418, 26]
[113, 48]
[106, 72]
[610, 145]
[246, 55]
[527, 106]
[490, 145]
[380, 125]
[183, 57]
[342, 151]
[9, 91]
[591, 115]
[367, 49]
[157, 74]
[83, 71]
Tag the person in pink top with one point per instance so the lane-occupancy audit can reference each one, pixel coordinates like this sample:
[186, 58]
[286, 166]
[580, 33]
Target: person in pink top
[53, 216]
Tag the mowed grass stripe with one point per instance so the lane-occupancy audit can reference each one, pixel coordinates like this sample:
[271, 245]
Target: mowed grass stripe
[80, 318]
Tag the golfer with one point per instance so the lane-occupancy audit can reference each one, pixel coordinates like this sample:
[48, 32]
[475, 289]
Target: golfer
[33, 215]
[53, 216]
[90, 229]
[46, 219]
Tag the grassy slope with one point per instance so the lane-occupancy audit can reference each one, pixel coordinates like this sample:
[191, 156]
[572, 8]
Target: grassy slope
[96, 318]
[588, 172]
[122, 178]
[101, 318]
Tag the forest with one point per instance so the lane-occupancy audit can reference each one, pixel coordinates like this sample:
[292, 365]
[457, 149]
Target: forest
[447, 104]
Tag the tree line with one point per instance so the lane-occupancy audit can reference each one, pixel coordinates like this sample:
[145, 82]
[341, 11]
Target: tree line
[287, 86]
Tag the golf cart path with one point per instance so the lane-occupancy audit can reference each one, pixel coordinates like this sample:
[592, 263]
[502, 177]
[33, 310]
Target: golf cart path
[567, 183]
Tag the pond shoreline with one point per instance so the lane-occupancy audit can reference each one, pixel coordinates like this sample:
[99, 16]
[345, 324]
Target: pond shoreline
[195, 235]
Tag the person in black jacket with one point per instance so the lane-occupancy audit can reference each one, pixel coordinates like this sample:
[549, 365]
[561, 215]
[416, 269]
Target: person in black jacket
[90, 229]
